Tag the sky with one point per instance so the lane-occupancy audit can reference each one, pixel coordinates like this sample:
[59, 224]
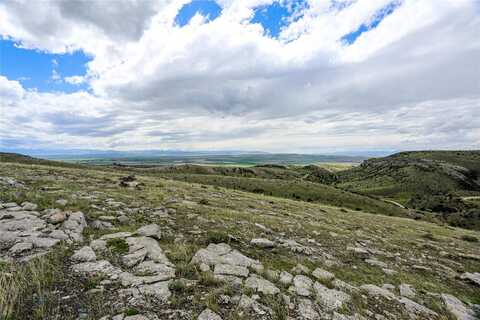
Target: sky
[302, 76]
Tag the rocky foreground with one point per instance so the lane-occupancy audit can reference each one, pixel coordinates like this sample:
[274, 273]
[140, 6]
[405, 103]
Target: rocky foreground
[134, 250]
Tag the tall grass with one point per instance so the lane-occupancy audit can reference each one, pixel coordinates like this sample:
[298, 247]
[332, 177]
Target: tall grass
[26, 289]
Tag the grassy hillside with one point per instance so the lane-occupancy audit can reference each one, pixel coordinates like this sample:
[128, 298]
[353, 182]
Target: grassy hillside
[357, 248]
[297, 190]
[432, 181]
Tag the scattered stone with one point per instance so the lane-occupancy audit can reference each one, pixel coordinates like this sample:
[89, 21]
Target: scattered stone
[61, 202]
[58, 217]
[261, 285]
[151, 230]
[330, 299]
[262, 243]
[457, 308]
[231, 270]
[85, 254]
[376, 291]
[28, 206]
[323, 275]
[21, 247]
[375, 262]
[406, 290]
[117, 235]
[472, 277]
[300, 269]
[99, 245]
[306, 310]
[302, 286]
[416, 310]
[208, 314]
[285, 278]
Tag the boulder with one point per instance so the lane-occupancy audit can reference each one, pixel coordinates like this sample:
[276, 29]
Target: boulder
[85, 254]
[261, 285]
[262, 243]
[208, 314]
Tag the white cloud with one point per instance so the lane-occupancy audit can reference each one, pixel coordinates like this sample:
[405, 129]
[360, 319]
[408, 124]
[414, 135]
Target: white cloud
[224, 84]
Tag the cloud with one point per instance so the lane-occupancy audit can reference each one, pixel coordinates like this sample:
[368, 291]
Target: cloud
[225, 84]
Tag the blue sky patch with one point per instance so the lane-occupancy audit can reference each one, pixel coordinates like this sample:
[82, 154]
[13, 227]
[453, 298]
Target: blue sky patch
[207, 8]
[278, 15]
[351, 37]
[34, 68]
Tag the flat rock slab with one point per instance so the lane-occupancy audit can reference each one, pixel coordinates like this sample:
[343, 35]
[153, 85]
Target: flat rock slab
[208, 314]
[261, 285]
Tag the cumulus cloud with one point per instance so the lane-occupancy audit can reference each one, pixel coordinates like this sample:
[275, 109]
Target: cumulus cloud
[226, 83]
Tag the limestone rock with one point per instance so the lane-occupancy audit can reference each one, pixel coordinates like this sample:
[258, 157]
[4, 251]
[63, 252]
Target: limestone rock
[151, 230]
[472, 277]
[285, 278]
[306, 310]
[323, 275]
[406, 290]
[21, 247]
[330, 299]
[302, 286]
[231, 270]
[376, 291]
[261, 285]
[208, 314]
[85, 254]
[457, 308]
[262, 243]
[416, 310]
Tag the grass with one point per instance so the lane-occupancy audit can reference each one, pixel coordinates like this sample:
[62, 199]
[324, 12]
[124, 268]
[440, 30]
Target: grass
[297, 190]
[233, 216]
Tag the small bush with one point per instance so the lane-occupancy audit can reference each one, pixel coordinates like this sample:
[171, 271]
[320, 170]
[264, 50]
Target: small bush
[217, 237]
[118, 246]
[131, 312]
[469, 238]
[204, 202]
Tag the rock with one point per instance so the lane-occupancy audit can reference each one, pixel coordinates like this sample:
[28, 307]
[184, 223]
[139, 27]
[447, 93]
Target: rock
[136, 317]
[261, 285]
[74, 226]
[262, 243]
[123, 219]
[204, 267]
[330, 299]
[232, 270]
[343, 286]
[302, 286]
[222, 254]
[151, 230]
[21, 247]
[118, 235]
[58, 217]
[323, 275]
[208, 314]
[375, 262]
[154, 252]
[159, 271]
[28, 206]
[376, 291]
[99, 245]
[416, 310]
[129, 260]
[45, 243]
[285, 278]
[85, 254]
[457, 308]
[300, 269]
[306, 310]
[254, 309]
[159, 290]
[58, 234]
[472, 277]
[98, 267]
[61, 202]
[406, 290]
